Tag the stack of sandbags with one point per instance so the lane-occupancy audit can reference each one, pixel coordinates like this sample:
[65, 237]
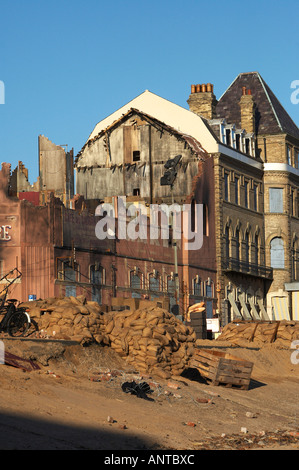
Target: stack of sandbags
[283, 332]
[152, 340]
[72, 318]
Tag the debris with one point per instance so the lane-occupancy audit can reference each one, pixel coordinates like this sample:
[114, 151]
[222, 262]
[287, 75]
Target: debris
[140, 390]
[250, 415]
[191, 424]
[202, 400]
[244, 430]
[110, 419]
[173, 385]
[16, 361]
[53, 374]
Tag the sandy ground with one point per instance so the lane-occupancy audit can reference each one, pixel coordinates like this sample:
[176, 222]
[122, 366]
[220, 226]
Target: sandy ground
[65, 405]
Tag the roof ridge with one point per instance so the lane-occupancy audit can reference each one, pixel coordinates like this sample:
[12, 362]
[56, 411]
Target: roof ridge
[270, 101]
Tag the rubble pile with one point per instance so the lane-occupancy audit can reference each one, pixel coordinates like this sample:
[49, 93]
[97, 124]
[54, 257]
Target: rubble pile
[282, 332]
[150, 339]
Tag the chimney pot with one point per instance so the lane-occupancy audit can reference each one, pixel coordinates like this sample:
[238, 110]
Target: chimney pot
[203, 88]
[198, 88]
[248, 92]
[193, 88]
[243, 90]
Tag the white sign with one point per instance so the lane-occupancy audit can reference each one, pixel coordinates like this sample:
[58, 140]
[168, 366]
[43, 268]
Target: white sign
[213, 324]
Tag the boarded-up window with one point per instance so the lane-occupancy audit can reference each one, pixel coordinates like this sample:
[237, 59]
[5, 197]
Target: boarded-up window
[96, 275]
[276, 200]
[277, 253]
[135, 284]
[197, 286]
[154, 286]
[171, 292]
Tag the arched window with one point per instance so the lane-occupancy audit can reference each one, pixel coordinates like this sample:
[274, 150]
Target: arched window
[256, 249]
[227, 242]
[277, 253]
[154, 285]
[237, 245]
[96, 279]
[197, 286]
[135, 284]
[246, 248]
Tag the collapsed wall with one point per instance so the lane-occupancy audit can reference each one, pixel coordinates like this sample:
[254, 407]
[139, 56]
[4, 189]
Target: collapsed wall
[150, 339]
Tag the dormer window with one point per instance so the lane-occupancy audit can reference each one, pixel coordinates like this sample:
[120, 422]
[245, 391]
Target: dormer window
[228, 136]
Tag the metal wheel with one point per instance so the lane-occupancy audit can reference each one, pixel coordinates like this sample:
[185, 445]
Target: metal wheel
[18, 324]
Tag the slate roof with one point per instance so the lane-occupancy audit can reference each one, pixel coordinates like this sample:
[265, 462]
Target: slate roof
[271, 117]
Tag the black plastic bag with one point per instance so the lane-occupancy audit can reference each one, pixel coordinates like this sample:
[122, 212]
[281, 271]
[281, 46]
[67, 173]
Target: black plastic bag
[140, 390]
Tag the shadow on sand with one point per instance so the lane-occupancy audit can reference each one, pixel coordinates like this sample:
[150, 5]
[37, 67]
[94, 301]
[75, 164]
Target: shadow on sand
[25, 433]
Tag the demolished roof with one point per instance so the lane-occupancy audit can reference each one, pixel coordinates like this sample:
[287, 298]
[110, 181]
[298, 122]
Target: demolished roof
[176, 116]
[193, 144]
[271, 117]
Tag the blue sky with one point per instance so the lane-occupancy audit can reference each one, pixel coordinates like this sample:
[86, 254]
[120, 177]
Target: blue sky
[68, 64]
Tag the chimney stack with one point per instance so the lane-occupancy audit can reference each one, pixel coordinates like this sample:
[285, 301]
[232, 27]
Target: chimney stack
[247, 107]
[202, 100]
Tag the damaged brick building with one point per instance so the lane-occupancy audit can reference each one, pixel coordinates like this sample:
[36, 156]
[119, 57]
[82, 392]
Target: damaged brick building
[238, 159]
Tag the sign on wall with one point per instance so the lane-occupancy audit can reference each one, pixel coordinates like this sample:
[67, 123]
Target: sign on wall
[4, 233]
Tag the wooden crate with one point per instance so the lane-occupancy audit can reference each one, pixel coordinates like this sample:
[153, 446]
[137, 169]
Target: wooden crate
[222, 368]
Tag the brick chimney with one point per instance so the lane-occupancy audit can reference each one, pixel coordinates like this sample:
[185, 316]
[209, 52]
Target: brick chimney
[247, 107]
[202, 101]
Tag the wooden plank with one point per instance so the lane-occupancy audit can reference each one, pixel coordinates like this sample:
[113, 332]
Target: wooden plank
[233, 369]
[204, 366]
[231, 380]
[236, 364]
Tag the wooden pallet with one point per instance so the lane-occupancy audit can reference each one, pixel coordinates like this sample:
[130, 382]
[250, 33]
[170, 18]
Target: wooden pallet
[222, 368]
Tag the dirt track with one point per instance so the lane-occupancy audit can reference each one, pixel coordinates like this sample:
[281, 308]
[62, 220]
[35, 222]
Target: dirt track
[61, 407]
